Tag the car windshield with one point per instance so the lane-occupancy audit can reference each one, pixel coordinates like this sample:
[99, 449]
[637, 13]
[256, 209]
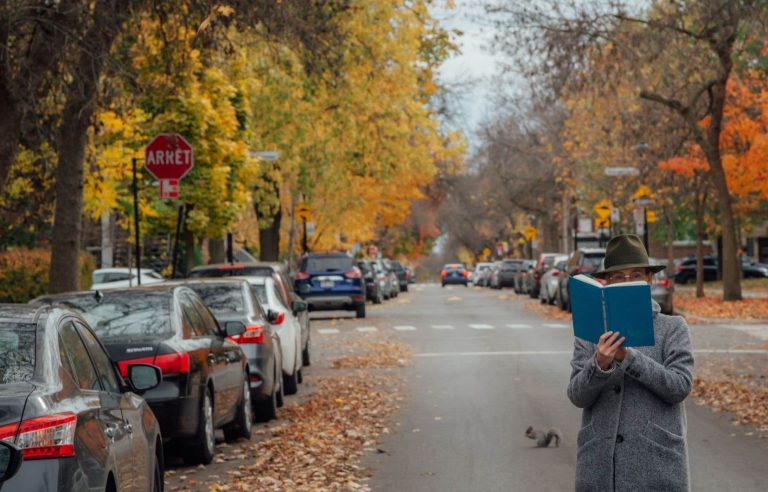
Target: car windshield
[17, 351]
[126, 314]
[221, 298]
[326, 264]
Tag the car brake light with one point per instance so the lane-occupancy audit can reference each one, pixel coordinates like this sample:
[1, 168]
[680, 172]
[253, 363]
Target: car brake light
[52, 436]
[465, 273]
[442, 274]
[664, 282]
[280, 319]
[252, 334]
[679, 268]
[354, 273]
[576, 270]
[555, 274]
[302, 275]
[175, 363]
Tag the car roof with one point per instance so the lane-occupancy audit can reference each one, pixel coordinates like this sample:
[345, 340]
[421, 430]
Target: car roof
[168, 287]
[256, 280]
[121, 270]
[23, 312]
[207, 280]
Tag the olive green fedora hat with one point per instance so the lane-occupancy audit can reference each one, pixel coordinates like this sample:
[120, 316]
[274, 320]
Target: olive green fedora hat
[626, 251]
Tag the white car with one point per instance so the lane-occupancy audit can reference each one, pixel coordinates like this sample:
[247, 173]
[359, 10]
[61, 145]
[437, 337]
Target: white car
[550, 280]
[117, 278]
[280, 312]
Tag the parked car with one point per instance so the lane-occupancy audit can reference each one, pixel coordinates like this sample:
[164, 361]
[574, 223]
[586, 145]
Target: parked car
[660, 288]
[533, 280]
[454, 273]
[505, 276]
[492, 279]
[582, 260]
[373, 289]
[331, 282]
[383, 279]
[389, 278]
[483, 275]
[205, 382]
[79, 425]
[551, 280]
[118, 278]
[686, 269]
[394, 281]
[521, 277]
[283, 315]
[232, 300]
[402, 275]
[411, 274]
[282, 277]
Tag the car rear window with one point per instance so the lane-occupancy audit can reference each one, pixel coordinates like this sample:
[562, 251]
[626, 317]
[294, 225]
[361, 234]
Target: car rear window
[326, 264]
[593, 260]
[261, 294]
[221, 298]
[126, 314]
[510, 265]
[17, 351]
[453, 267]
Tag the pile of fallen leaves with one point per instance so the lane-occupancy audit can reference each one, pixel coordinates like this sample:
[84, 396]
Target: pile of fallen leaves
[320, 446]
[548, 311]
[748, 403]
[378, 355]
[714, 307]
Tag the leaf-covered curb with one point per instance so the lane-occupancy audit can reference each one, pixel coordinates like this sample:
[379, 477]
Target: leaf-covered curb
[548, 311]
[748, 403]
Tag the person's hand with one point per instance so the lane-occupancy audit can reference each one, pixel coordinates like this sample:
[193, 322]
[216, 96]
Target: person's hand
[621, 352]
[607, 346]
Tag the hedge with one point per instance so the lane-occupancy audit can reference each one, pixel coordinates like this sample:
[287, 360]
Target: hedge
[24, 273]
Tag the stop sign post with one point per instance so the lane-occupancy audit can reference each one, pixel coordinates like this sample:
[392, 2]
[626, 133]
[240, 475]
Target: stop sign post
[168, 157]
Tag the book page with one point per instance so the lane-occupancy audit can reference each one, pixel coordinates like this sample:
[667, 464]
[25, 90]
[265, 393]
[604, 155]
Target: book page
[589, 280]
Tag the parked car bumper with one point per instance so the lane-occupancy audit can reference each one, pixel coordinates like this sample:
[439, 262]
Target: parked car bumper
[329, 303]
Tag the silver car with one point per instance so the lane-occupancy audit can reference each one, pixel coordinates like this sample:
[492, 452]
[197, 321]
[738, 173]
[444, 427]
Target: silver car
[551, 279]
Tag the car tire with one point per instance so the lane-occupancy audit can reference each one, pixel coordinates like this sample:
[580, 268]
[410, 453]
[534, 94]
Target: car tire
[204, 446]
[300, 376]
[559, 300]
[404, 288]
[360, 311]
[266, 410]
[280, 393]
[242, 425]
[306, 360]
[158, 480]
[291, 383]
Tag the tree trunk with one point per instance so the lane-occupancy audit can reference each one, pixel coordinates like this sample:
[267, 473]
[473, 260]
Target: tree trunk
[73, 134]
[669, 217]
[9, 134]
[217, 251]
[269, 239]
[699, 212]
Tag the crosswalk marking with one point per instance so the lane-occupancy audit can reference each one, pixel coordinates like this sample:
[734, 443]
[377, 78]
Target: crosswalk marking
[518, 326]
[442, 327]
[556, 325]
[404, 328]
[367, 329]
[328, 331]
[481, 327]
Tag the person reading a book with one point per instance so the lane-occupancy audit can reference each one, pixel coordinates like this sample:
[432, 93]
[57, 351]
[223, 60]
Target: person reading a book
[633, 431]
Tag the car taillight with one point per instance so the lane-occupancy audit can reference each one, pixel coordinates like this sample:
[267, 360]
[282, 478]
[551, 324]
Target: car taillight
[555, 274]
[679, 268]
[280, 319]
[302, 276]
[354, 273]
[576, 270]
[442, 274]
[252, 334]
[664, 282]
[465, 273]
[175, 363]
[52, 436]
[406, 274]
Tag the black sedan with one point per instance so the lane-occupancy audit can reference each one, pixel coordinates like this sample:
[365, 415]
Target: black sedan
[79, 425]
[232, 300]
[205, 375]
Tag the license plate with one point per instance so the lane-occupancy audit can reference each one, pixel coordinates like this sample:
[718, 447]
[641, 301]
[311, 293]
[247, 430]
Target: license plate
[327, 284]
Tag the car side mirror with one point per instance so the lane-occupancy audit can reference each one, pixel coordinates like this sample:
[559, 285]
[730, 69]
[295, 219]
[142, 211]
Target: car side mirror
[300, 306]
[10, 460]
[144, 377]
[234, 328]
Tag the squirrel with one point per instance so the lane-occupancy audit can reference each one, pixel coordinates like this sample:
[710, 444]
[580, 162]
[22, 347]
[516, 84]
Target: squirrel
[543, 439]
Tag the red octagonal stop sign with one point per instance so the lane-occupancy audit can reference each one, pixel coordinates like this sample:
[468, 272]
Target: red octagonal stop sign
[168, 156]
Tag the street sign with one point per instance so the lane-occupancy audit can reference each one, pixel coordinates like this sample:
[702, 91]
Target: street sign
[530, 233]
[602, 223]
[603, 209]
[303, 212]
[650, 216]
[168, 157]
[615, 215]
[643, 192]
[621, 171]
[486, 252]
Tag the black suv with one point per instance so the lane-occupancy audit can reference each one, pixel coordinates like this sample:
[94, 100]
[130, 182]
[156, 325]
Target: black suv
[330, 282]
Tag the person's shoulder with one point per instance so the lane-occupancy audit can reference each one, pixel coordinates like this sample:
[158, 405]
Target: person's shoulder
[671, 323]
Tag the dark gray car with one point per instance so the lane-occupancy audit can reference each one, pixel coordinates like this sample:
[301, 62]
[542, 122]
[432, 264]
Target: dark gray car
[79, 424]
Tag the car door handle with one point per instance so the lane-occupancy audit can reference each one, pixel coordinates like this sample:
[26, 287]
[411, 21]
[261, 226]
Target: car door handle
[128, 428]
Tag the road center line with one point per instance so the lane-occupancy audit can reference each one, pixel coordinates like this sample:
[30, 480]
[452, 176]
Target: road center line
[481, 327]
[367, 329]
[405, 328]
[555, 325]
[327, 331]
[518, 326]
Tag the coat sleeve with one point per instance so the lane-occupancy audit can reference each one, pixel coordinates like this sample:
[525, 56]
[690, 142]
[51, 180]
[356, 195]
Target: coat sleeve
[587, 379]
[672, 380]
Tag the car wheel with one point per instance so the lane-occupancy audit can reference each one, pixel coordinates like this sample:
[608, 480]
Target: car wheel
[305, 359]
[201, 452]
[241, 427]
[280, 394]
[559, 300]
[266, 410]
[360, 311]
[158, 480]
[404, 288]
[291, 383]
[300, 376]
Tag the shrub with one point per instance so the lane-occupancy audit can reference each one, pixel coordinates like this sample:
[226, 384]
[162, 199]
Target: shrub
[24, 273]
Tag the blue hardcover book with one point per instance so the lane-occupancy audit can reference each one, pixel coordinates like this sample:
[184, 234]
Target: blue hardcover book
[624, 307]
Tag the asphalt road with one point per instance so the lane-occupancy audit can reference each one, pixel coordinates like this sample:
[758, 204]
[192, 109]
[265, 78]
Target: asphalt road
[485, 369]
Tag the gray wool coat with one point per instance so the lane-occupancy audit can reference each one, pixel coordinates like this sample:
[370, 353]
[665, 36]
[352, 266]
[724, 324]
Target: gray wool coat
[633, 427]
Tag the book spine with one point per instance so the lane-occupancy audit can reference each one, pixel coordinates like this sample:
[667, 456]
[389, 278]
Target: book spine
[605, 314]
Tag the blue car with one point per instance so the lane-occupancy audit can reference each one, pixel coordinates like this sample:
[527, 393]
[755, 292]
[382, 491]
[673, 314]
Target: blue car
[331, 282]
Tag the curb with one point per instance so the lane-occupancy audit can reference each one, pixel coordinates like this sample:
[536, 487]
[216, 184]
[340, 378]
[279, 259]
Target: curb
[721, 321]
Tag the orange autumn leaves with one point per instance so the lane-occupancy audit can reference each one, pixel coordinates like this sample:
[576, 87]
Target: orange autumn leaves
[743, 143]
